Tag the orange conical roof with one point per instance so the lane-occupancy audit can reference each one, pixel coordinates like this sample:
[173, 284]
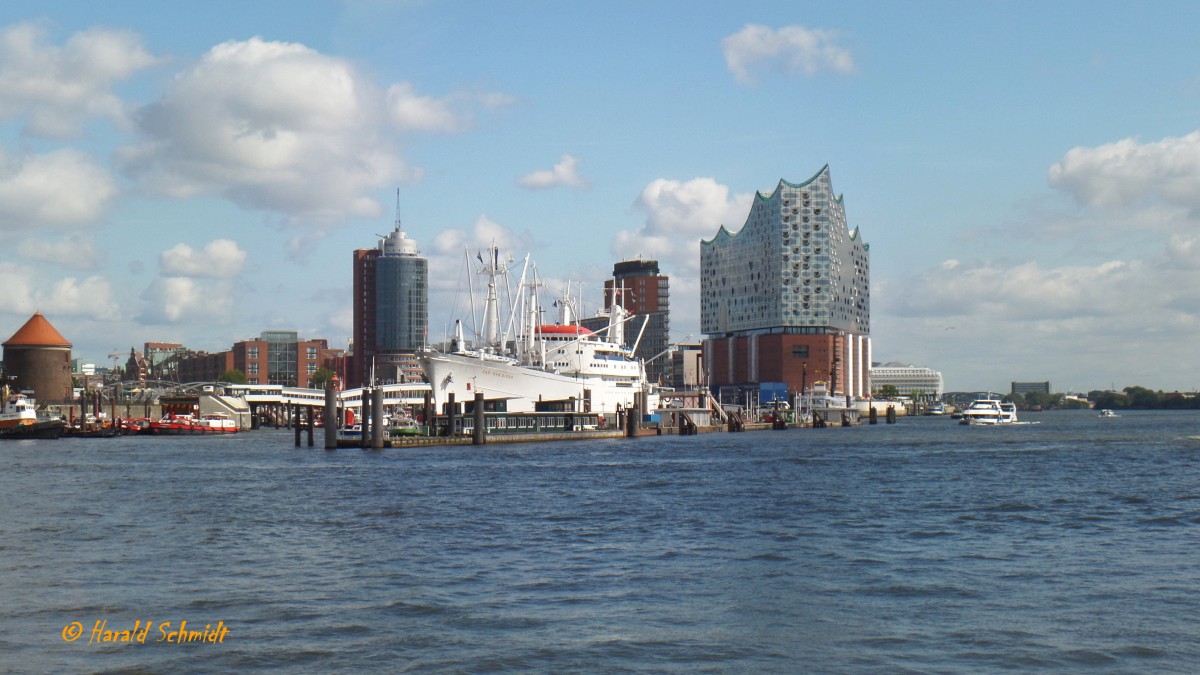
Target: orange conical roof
[37, 332]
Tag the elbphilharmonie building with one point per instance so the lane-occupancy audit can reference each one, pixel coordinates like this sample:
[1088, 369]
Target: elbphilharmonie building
[786, 299]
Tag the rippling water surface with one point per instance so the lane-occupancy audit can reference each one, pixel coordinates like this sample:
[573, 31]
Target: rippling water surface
[1069, 545]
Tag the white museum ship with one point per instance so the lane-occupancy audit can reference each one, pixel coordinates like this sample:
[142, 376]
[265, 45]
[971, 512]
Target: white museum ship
[563, 363]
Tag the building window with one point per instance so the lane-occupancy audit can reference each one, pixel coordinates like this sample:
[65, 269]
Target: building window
[312, 352]
[252, 352]
[800, 351]
[252, 368]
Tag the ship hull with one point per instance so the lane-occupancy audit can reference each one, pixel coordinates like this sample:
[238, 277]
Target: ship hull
[44, 429]
[520, 386]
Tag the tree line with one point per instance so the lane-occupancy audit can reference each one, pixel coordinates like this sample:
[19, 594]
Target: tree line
[1141, 398]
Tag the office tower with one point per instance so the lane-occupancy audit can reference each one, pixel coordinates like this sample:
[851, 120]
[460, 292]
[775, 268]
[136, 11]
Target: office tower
[646, 294]
[391, 311]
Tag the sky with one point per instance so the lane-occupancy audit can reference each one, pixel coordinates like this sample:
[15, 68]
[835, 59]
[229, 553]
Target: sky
[1027, 175]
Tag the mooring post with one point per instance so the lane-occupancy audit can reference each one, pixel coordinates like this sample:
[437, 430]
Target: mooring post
[365, 423]
[427, 414]
[874, 415]
[891, 414]
[377, 429]
[478, 436]
[296, 422]
[331, 421]
[312, 423]
[451, 414]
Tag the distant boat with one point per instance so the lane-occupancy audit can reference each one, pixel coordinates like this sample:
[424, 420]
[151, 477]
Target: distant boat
[182, 425]
[1108, 413]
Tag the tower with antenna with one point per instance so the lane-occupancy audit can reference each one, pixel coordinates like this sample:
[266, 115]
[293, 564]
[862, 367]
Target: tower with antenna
[391, 308]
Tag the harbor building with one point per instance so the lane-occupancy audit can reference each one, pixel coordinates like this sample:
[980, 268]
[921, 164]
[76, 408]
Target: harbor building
[203, 366]
[391, 311]
[37, 358]
[687, 366]
[786, 299]
[279, 357]
[1025, 388]
[275, 357]
[640, 289]
[909, 380]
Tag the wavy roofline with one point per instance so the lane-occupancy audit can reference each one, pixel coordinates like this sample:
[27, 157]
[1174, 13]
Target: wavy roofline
[759, 196]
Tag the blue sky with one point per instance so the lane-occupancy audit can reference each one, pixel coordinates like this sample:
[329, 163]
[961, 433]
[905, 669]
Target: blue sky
[1027, 175]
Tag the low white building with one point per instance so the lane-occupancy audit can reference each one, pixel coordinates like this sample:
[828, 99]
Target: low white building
[909, 380]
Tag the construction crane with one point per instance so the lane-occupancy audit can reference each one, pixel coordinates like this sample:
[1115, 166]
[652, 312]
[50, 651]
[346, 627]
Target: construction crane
[115, 356]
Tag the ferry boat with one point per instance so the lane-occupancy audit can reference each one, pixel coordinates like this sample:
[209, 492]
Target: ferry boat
[20, 419]
[177, 425]
[562, 365]
[989, 411]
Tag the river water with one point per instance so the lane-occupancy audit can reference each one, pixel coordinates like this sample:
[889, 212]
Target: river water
[924, 546]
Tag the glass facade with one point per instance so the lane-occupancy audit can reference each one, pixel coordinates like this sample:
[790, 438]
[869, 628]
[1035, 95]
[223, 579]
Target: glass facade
[794, 267]
[281, 356]
[401, 303]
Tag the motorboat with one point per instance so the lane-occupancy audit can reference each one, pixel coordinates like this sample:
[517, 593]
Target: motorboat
[1108, 413]
[989, 411]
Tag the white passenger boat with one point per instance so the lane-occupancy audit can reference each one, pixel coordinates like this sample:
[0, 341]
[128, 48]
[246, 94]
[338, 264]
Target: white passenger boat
[1108, 413]
[533, 366]
[989, 411]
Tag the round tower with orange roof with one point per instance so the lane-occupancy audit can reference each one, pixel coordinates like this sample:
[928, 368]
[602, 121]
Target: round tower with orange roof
[37, 357]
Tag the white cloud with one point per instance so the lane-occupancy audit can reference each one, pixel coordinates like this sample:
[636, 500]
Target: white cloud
[1024, 292]
[18, 282]
[58, 88]
[678, 215]
[63, 188]
[451, 242]
[1082, 326]
[791, 49]
[411, 111]
[1183, 251]
[566, 172]
[27, 289]
[274, 126]
[92, 298]
[220, 259]
[1129, 173]
[77, 250]
[183, 300]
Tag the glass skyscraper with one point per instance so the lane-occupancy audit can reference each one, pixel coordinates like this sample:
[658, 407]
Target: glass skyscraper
[391, 310]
